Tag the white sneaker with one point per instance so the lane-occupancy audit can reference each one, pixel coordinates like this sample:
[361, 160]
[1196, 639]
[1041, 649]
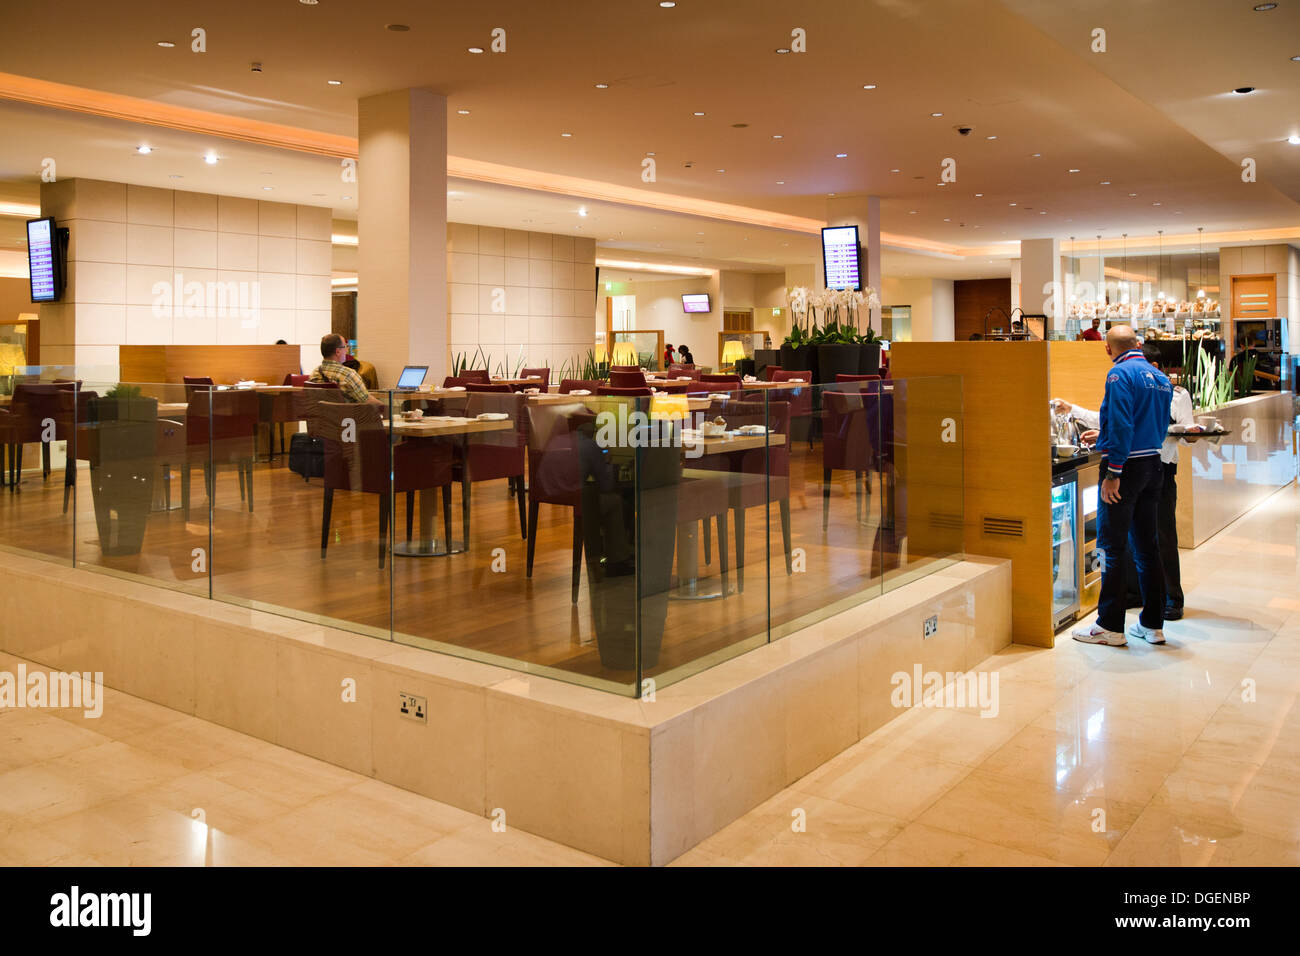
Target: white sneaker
[1098, 635]
[1156, 636]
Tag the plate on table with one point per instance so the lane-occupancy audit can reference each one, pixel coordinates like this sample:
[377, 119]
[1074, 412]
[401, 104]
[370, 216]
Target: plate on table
[492, 417]
[722, 395]
[752, 430]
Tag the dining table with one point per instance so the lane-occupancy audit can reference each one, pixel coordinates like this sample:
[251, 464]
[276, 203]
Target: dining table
[436, 427]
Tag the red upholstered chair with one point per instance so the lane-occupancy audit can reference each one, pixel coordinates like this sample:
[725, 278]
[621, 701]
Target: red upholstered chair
[543, 373]
[297, 381]
[451, 381]
[579, 384]
[364, 465]
[625, 368]
[277, 408]
[33, 407]
[555, 475]
[625, 392]
[220, 429]
[767, 372]
[474, 386]
[850, 439]
[475, 375]
[489, 456]
[801, 402]
[626, 379]
[841, 377]
[718, 379]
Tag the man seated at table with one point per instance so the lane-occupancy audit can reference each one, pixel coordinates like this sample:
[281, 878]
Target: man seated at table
[334, 351]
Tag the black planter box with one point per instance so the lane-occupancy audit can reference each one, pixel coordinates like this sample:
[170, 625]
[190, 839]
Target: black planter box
[123, 440]
[835, 360]
[869, 358]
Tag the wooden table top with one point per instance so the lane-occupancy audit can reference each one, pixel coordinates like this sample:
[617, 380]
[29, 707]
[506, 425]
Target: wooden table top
[434, 427]
[726, 444]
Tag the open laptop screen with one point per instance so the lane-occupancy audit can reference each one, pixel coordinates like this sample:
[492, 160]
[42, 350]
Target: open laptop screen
[413, 376]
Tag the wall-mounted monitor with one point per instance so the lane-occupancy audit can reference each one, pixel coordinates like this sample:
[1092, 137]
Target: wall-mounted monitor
[44, 260]
[840, 257]
[696, 302]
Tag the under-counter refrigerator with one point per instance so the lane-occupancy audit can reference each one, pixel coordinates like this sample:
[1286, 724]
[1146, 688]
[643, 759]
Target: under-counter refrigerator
[1066, 577]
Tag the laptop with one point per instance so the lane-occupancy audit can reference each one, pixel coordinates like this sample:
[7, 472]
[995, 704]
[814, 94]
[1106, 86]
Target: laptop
[412, 377]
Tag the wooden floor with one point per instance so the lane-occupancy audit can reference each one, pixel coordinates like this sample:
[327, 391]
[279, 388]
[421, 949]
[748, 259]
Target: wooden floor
[479, 603]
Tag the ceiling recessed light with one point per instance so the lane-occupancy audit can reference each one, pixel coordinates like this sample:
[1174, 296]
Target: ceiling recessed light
[936, 115]
[268, 188]
[894, 170]
[869, 86]
[911, 212]
[582, 211]
[475, 49]
[144, 150]
[719, 170]
[166, 44]
[1293, 139]
[1035, 155]
[990, 137]
[397, 27]
[841, 155]
[1074, 170]
[1244, 89]
[1131, 195]
[210, 159]
[698, 113]
[602, 86]
[649, 154]
[345, 197]
[1296, 58]
[1010, 204]
[463, 112]
[309, 3]
[1105, 182]
[780, 182]
[777, 136]
[175, 176]
[782, 49]
[1155, 204]
[1042, 213]
[566, 135]
[1262, 7]
[667, 4]
[978, 195]
[947, 220]
[831, 195]
[334, 82]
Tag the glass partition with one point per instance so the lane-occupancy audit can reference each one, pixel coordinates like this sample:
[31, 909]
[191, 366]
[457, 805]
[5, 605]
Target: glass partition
[621, 537]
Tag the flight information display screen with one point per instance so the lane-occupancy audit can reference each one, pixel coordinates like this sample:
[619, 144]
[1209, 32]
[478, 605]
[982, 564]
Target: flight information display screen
[840, 257]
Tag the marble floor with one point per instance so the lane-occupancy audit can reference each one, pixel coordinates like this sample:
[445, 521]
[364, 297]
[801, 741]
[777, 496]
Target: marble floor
[1186, 754]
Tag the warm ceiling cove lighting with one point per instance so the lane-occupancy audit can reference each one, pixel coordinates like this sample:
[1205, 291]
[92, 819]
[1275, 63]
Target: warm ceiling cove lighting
[19, 209]
[339, 239]
[667, 268]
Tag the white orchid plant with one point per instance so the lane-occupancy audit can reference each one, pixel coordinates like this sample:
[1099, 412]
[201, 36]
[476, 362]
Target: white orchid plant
[833, 304]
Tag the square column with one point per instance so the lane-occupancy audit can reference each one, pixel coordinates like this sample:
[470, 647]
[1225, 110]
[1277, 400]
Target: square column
[1040, 277]
[863, 212]
[402, 232]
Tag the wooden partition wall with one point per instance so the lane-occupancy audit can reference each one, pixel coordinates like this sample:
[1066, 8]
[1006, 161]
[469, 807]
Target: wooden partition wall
[1077, 371]
[1007, 470]
[224, 364]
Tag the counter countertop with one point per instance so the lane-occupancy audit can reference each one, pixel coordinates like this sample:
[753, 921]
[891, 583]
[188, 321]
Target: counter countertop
[1061, 466]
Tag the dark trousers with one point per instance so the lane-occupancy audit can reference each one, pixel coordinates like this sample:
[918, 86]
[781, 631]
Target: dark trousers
[1133, 521]
[1168, 526]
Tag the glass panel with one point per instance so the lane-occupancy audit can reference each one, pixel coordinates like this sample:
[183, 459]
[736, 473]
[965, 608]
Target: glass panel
[137, 445]
[38, 415]
[921, 510]
[301, 502]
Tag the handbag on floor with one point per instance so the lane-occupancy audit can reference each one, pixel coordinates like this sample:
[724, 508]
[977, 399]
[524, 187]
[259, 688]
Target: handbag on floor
[306, 456]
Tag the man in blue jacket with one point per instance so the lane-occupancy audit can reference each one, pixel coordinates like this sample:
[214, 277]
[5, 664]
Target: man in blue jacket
[1134, 423]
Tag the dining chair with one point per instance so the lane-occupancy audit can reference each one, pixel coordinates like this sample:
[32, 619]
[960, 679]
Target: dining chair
[850, 441]
[555, 474]
[630, 392]
[489, 456]
[220, 429]
[767, 372]
[472, 385]
[717, 378]
[41, 414]
[569, 385]
[801, 402]
[369, 464]
[626, 379]
[543, 373]
[475, 375]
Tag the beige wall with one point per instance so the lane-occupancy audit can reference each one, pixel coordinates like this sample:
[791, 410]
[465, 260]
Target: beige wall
[547, 289]
[127, 239]
[15, 298]
[932, 305]
[659, 306]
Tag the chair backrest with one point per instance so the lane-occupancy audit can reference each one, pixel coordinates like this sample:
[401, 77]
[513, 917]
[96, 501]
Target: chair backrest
[644, 390]
[851, 435]
[856, 378]
[571, 384]
[297, 381]
[497, 454]
[630, 378]
[543, 373]
[473, 386]
[626, 368]
[33, 405]
[786, 375]
[474, 375]
[233, 418]
[360, 465]
[194, 384]
[554, 454]
[684, 371]
[717, 378]
[769, 371]
[682, 366]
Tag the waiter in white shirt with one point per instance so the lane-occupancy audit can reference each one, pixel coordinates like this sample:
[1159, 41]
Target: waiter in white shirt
[1180, 413]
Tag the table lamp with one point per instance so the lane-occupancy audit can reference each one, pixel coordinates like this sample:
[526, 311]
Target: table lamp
[732, 352]
[624, 353]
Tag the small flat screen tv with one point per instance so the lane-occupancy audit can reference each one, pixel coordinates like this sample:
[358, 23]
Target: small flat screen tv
[696, 302]
[840, 257]
[44, 260]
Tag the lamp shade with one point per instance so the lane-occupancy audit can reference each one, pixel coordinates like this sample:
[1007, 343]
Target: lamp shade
[732, 352]
[600, 352]
[624, 353]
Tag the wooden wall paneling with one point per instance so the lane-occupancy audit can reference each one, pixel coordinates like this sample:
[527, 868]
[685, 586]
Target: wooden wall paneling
[1007, 471]
[1077, 372]
[224, 364]
[971, 301]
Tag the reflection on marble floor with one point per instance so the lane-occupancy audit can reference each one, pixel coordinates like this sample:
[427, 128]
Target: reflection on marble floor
[1119, 756]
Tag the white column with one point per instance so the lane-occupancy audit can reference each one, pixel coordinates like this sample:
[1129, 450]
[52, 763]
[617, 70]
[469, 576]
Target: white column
[1040, 272]
[402, 230]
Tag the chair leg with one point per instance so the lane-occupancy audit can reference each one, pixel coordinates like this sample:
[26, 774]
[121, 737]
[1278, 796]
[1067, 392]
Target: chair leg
[519, 496]
[385, 506]
[858, 478]
[708, 547]
[167, 486]
[249, 465]
[784, 504]
[69, 476]
[738, 515]
[826, 497]
[446, 514]
[722, 545]
[464, 507]
[18, 471]
[45, 460]
[410, 513]
[240, 468]
[325, 521]
[532, 535]
[185, 489]
[577, 552]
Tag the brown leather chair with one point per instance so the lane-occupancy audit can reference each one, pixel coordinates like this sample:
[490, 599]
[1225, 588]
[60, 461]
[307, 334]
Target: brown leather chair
[569, 385]
[489, 456]
[555, 474]
[220, 429]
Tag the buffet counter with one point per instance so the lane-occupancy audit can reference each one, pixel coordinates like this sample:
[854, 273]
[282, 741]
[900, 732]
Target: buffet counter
[1220, 480]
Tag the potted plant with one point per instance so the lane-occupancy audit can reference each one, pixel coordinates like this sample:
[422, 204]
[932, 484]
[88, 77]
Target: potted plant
[798, 351]
[121, 437]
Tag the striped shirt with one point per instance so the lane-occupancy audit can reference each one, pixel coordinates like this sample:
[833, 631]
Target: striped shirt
[348, 381]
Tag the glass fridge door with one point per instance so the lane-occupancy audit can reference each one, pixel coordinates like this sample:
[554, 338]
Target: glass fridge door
[1065, 549]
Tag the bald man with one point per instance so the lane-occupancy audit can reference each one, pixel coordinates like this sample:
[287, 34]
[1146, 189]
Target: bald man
[1134, 423]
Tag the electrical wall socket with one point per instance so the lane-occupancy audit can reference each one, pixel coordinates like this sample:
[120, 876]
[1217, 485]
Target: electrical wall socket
[931, 627]
[413, 708]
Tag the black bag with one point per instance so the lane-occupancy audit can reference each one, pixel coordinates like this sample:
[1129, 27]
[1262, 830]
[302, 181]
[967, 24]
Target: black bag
[306, 456]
